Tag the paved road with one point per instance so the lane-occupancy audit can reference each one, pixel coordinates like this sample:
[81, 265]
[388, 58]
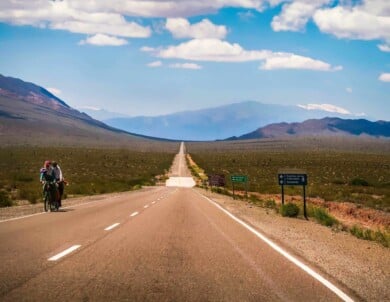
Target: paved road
[158, 244]
[179, 175]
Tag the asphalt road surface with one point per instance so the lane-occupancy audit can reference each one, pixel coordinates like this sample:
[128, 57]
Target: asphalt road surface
[157, 244]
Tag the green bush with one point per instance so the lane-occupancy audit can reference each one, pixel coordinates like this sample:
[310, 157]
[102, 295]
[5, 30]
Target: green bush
[289, 210]
[5, 201]
[322, 216]
[359, 182]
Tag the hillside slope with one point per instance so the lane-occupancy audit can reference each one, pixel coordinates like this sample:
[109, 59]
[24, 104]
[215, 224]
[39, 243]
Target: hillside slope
[29, 114]
[321, 127]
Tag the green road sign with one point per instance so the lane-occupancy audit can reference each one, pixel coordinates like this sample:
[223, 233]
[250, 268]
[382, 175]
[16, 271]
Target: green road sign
[292, 179]
[239, 178]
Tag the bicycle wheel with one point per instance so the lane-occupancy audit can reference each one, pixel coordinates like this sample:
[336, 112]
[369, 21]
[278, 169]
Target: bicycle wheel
[46, 202]
[52, 206]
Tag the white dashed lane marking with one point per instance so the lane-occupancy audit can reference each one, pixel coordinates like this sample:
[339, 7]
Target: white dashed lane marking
[111, 226]
[134, 214]
[64, 253]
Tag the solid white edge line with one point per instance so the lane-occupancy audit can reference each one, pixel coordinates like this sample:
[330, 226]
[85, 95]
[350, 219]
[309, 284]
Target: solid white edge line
[62, 208]
[291, 258]
[112, 226]
[134, 214]
[21, 217]
[64, 253]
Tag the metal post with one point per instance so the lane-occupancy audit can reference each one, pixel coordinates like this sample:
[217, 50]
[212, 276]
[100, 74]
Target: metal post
[304, 202]
[234, 196]
[282, 194]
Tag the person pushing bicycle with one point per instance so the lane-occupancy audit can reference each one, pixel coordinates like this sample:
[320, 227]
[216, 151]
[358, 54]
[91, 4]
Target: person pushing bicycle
[59, 179]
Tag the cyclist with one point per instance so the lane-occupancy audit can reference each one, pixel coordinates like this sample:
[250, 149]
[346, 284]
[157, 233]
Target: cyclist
[47, 175]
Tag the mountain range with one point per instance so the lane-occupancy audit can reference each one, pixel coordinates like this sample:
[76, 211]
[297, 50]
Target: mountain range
[215, 123]
[31, 114]
[320, 127]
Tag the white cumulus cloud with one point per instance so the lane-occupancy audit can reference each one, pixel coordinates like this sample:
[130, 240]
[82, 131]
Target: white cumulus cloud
[384, 77]
[181, 28]
[292, 61]
[186, 66]
[348, 89]
[42, 12]
[103, 40]
[72, 16]
[367, 21]
[215, 50]
[326, 107]
[296, 14]
[155, 64]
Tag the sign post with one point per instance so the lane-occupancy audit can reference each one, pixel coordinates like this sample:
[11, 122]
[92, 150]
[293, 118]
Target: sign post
[295, 178]
[240, 179]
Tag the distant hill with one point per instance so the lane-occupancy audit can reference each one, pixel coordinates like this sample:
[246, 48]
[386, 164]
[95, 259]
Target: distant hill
[29, 114]
[214, 123]
[321, 127]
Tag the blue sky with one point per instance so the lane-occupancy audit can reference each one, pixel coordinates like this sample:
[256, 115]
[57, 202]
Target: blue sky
[158, 57]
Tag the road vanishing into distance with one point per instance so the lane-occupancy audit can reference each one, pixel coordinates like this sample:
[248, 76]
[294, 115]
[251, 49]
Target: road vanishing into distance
[157, 244]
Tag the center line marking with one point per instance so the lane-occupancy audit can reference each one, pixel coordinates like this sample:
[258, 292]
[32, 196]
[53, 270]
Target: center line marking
[64, 253]
[111, 226]
[146, 206]
[134, 214]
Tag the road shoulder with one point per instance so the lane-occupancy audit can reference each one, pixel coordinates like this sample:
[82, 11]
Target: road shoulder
[360, 265]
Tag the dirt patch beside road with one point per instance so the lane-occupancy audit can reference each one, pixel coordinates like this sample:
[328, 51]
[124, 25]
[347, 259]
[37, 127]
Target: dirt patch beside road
[362, 266]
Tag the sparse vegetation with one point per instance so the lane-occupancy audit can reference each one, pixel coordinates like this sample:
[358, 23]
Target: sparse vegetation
[269, 203]
[322, 216]
[353, 175]
[88, 171]
[367, 234]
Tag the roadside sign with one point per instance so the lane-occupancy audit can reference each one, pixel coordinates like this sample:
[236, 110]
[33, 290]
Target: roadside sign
[294, 178]
[239, 178]
[216, 180]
